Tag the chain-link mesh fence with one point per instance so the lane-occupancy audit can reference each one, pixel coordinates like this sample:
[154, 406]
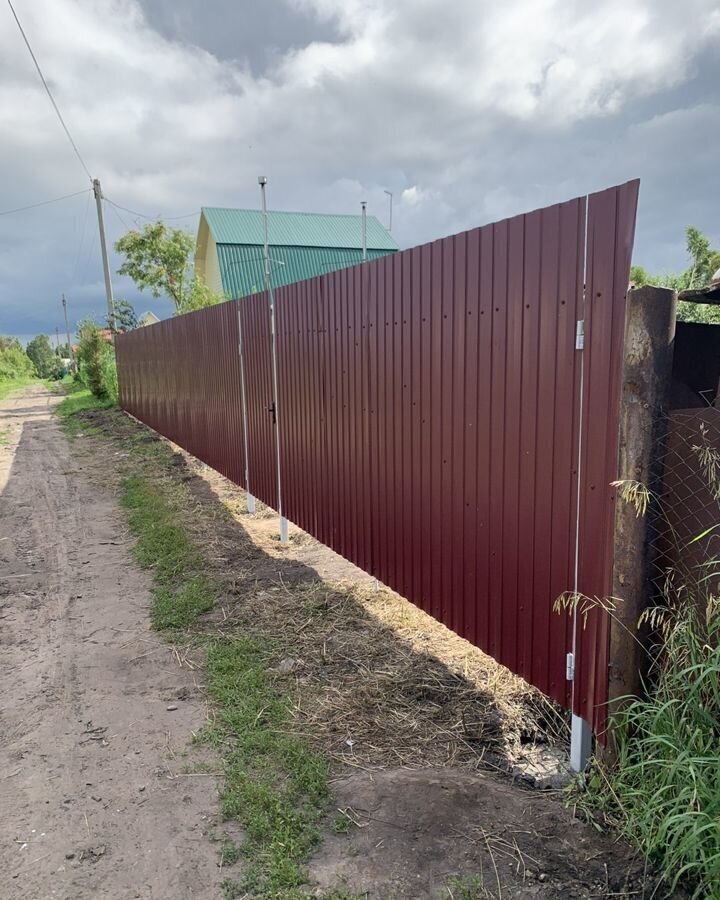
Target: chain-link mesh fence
[684, 520]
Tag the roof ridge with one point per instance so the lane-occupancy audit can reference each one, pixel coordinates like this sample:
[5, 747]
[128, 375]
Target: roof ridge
[290, 212]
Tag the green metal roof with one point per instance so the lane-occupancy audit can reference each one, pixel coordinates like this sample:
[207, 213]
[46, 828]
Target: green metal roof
[242, 269]
[288, 229]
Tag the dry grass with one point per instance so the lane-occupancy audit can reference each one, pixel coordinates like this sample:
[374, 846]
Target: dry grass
[375, 680]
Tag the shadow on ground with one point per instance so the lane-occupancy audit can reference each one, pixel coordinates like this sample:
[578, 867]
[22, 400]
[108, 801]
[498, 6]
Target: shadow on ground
[420, 743]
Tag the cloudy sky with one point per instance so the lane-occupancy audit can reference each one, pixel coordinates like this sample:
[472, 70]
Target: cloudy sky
[467, 111]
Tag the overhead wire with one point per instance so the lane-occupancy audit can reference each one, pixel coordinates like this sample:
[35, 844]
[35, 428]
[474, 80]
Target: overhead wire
[82, 238]
[49, 92]
[6, 212]
[134, 212]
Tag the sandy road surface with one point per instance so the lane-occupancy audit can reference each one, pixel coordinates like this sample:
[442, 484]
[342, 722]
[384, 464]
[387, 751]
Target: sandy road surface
[92, 800]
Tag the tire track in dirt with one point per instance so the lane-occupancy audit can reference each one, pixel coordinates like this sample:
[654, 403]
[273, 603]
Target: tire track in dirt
[93, 796]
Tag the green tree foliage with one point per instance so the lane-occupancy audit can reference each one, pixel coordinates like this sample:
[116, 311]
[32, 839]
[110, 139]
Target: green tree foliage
[15, 364]
[158, 259]
[96, 361]
[125, 318]
[45, 360]
[704, 262]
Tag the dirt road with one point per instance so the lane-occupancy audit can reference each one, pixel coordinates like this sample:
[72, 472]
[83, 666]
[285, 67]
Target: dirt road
[93, 797]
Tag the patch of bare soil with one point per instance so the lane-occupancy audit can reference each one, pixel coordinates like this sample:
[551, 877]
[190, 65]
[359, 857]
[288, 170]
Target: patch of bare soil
[95, 714]
[418, 725]
[450, 833]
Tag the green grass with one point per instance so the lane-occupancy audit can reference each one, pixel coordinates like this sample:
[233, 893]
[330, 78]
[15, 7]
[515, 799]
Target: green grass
[7, 387]
[664, 792]
[77, 399]
[181, 591]
[275, 786]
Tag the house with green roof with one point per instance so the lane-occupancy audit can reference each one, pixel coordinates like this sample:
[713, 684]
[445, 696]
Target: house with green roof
[229, 250]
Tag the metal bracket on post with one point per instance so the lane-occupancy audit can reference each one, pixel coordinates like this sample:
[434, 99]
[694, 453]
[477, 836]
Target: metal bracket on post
[580, 744]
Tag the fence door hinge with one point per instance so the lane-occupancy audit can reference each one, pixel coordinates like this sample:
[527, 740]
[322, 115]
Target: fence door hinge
[570, 667]
[580, 334]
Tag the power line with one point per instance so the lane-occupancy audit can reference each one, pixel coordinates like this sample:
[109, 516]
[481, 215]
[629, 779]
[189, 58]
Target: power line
[82, 238]
[134, 212]
[6, 212]
[49, 92]
[117, 215]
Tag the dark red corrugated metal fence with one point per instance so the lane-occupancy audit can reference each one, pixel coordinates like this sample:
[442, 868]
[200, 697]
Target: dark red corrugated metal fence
[430, 421]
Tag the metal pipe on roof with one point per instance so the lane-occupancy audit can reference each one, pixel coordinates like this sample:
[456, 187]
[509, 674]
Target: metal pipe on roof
[363, 204]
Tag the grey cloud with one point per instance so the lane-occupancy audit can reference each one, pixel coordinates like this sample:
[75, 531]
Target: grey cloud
[466, 111]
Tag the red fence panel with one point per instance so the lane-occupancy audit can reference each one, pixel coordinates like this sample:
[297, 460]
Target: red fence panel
[429, 408]
[255, 323]
[182, 378]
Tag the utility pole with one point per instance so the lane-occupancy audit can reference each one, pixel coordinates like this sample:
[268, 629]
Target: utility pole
[57, 341]
[97, 190]
[67, 332]
[262, 181]
[363, 204]
[389, 193]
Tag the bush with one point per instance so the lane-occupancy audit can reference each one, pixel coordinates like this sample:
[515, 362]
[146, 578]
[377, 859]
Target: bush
[15, 365]
[96, 362]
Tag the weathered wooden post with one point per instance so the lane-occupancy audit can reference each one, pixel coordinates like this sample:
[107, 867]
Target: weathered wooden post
[647, 373]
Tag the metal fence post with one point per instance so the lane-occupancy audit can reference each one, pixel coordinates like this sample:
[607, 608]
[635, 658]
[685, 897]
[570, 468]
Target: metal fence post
[262, 181]
[249, 497]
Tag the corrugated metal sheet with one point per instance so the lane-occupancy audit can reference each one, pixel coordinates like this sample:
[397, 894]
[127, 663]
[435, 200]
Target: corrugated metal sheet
[243, 272]
[429, 406]
[182, 378]
[610, 234]
[291, 229]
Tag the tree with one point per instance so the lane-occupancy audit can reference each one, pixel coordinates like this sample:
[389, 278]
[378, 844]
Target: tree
[124, 317]
[46, 363]
[704, 262]
[158, 259]
[14, 362]
[96, 361]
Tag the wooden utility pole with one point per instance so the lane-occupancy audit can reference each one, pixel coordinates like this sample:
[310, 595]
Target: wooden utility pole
[67, 332]
[647, 373]
[97, 190]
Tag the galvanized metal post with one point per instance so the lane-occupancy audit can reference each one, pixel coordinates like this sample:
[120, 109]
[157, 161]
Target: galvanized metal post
[580, 743]
[580, 731]
[364, 230]
[249, 497]
[262, 181]
[97, 191]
